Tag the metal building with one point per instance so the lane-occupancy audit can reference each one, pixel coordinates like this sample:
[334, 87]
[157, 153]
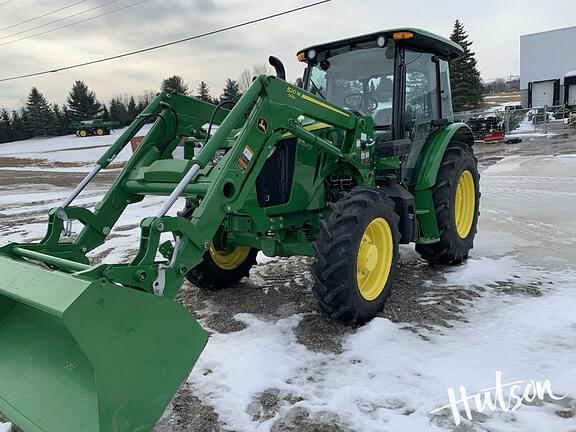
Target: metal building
[548, 68]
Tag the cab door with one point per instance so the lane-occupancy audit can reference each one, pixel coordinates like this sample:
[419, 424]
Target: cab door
[422, 103]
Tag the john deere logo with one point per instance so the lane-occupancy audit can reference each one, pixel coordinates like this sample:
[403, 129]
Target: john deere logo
[262, 125]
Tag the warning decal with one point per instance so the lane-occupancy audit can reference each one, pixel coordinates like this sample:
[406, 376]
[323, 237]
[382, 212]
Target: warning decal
[245, 159]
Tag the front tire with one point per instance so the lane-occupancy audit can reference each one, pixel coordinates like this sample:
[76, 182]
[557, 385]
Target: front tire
[221, 269]
[456, 197]
[357, 256]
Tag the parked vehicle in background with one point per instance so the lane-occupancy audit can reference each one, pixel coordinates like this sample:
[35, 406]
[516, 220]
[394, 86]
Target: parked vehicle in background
[97, 127]
[487, 129]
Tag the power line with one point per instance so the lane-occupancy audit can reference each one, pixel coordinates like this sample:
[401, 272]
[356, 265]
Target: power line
[167, 44]
[53, 22]
[43, 15]
[77, 22]
[6, 2]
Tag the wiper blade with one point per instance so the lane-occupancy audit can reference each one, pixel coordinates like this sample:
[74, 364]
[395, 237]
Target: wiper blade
[318, 89]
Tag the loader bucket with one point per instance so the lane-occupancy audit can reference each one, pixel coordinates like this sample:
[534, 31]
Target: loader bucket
[88, 356]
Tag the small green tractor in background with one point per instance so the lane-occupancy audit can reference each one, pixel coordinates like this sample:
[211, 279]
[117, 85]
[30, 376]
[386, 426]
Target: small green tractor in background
[363, 158]
[97, 127]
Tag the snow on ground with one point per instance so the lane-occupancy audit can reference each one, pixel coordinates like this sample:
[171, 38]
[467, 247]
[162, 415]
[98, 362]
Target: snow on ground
[526, 128]
[391, 379]
[527, 209]
[68, 148]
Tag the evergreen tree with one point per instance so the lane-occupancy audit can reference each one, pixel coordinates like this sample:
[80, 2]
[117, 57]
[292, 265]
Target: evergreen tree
[61, 121]
[118, 111]
[82, 103]
[231, 91]
[105, 114]
[5, 127]
[40, 119]
[19, 129]
[175, 83]
[465, 80]
[203, 92]
[132, 109]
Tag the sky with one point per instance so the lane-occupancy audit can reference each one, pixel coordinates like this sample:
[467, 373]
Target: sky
[494, 27]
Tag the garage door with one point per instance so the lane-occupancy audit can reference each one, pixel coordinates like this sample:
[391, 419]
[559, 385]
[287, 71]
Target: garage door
[543, 94]
[572, 95]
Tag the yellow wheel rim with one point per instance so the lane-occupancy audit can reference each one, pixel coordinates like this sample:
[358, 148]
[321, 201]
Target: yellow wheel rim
[99, 132]
[374, 260]
[231, 259]
[82, 133]
[465, 204]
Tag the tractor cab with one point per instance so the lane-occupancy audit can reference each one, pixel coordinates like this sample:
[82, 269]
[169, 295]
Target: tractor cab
[398, 77]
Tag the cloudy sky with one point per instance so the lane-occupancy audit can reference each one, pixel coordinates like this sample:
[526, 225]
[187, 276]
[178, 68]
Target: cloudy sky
[494, 26]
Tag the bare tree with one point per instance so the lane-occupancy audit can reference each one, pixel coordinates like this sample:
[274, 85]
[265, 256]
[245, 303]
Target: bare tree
[262, 69]
[246, 77]
[244, 80]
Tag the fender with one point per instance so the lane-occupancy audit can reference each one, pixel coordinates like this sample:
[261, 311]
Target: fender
[431, 157]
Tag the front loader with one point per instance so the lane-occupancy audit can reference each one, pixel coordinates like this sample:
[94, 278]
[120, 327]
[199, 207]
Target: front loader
[363, 158]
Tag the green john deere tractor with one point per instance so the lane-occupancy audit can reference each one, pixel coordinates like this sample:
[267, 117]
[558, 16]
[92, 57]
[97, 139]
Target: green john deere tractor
[95, 127]
[363, 158]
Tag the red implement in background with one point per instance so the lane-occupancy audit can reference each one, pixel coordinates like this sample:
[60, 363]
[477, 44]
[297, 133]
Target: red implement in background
[494, 136]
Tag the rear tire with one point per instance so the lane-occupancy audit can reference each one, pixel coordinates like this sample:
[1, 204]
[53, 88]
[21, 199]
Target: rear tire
[457, 217]
[357, 256]
[100, 132]
[221, 269]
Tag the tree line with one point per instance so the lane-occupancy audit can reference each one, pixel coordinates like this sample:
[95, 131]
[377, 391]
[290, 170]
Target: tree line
[40, 118]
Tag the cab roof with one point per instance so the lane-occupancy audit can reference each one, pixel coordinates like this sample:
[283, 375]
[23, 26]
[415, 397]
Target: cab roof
[422, 40]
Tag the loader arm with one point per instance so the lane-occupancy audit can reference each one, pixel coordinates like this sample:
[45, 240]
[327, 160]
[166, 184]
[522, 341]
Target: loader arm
[268, 110]
[128, 393]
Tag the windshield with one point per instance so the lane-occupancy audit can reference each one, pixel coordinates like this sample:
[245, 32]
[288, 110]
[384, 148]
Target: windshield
[358, 80]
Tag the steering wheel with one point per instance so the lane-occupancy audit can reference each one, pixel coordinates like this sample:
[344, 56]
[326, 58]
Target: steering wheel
[357, 105]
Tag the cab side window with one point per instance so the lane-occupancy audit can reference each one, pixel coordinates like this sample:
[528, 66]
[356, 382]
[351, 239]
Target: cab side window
[422, 103]
[421, 88]
[445, 91]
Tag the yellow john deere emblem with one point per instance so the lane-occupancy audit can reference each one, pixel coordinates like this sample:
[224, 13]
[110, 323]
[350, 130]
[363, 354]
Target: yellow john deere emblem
[262, 125]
